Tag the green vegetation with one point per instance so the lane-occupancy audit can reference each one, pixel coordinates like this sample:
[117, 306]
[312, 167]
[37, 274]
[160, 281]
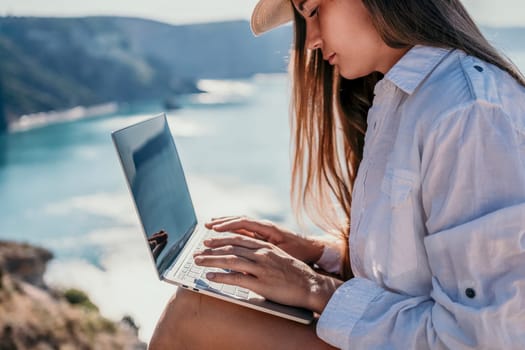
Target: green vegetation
[100, 324]
[78, 297]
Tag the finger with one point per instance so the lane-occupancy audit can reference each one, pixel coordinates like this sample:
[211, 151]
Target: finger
[250, 234]
[264, 228]
[244, 233]
[234, 278]
[219, 220]
[230, 262]
[246, 253]
[226, 219]
[241, 241]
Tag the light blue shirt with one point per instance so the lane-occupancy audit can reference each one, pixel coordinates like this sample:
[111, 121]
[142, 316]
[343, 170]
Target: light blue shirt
[437, 240]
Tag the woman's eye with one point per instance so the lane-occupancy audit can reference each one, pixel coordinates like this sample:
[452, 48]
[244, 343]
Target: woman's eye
[314, 12]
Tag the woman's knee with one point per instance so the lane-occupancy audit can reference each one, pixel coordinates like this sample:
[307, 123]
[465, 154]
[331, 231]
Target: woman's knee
[178, 320]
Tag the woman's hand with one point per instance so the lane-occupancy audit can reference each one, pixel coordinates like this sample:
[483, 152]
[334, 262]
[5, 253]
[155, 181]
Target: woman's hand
[305, 249]
[267, 270]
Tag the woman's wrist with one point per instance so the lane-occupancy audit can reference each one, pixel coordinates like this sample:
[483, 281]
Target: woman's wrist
[315, 249]
[322, 288]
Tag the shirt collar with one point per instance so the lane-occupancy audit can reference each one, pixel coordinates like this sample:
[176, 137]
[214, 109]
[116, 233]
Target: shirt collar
[415, 66]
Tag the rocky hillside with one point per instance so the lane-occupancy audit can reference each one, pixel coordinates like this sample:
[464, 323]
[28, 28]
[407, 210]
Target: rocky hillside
[33, 316]
[58, 63]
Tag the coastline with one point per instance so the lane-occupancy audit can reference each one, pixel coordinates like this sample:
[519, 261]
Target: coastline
[41, 119]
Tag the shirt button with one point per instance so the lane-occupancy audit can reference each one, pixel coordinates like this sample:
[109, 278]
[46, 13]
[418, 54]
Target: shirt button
[478, 68]
[471, 293]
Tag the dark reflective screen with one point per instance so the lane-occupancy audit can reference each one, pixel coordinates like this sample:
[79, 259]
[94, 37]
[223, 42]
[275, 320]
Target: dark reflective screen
[154, 172]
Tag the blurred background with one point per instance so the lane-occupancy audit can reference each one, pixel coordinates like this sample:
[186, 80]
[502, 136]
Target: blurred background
[71, 72]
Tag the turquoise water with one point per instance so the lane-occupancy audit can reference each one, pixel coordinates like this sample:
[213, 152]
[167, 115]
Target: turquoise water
[42, 171]
[62, 187]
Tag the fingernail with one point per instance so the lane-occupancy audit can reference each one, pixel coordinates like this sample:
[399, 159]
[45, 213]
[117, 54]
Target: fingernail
[210, 275]
[198, 259]
[207, 241]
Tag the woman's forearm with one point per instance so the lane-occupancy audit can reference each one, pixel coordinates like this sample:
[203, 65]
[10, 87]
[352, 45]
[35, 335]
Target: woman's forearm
[321, 290]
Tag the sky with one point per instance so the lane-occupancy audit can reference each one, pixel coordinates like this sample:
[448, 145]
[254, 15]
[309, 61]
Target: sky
[485, 12]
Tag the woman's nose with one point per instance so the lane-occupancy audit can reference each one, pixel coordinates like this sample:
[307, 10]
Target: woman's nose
[313, 37]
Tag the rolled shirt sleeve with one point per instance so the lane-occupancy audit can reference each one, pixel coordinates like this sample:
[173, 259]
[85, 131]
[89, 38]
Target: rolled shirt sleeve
[331, 259]
[473, 195]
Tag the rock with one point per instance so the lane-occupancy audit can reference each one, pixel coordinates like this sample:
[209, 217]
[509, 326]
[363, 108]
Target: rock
[128, 322]
[26, 262]
[6, 339]
[35, 316]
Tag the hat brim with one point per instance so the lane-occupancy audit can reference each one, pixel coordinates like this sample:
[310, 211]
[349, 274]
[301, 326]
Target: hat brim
[270, 14]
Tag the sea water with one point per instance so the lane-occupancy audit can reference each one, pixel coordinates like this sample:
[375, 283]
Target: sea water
[62, 187]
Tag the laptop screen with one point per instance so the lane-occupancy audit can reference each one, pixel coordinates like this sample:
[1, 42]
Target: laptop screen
[156, 179]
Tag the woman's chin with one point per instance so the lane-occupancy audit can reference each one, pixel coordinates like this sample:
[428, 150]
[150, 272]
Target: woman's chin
[350, 74]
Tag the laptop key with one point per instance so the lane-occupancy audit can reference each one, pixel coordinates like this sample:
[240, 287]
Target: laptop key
[193, 274]
[228, 289]
[215, 285]
[242, 293]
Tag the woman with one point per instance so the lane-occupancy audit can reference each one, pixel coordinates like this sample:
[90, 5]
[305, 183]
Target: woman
[409, 133]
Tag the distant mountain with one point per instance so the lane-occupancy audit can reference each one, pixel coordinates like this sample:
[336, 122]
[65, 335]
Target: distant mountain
[210, 50]
[57, 63]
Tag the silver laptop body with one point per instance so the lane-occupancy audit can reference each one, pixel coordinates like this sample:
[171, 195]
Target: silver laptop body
[156, 180]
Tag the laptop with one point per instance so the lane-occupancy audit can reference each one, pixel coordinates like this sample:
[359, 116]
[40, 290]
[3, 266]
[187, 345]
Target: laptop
[156, 180]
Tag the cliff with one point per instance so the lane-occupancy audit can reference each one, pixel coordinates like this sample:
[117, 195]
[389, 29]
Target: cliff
[33, 316]
[57, 63]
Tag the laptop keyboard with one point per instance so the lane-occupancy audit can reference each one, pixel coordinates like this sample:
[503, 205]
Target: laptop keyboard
[192, 273]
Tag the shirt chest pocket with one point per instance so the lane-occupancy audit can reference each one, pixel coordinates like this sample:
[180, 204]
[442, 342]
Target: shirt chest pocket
[398, 185]
[402, 257]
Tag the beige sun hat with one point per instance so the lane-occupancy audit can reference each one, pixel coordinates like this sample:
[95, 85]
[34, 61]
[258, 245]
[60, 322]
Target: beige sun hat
[269, 14]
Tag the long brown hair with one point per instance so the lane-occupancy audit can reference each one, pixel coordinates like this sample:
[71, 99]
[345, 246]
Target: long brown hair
[328, 112]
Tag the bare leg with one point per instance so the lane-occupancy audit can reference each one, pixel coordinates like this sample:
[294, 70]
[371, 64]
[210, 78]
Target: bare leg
[195, 321]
